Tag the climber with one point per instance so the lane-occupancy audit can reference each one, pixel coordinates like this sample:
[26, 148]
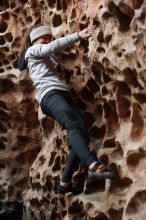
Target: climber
[53, 95]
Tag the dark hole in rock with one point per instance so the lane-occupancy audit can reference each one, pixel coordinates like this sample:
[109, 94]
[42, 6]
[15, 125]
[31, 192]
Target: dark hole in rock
[110, 143]
[24, 1]
[96, 23]
[138, 65]
[2, 40]
[4, 115]
[83, 18]
[123, 19]
[94, 186]
[51, 3]
[16, 171]
[5, 62]
[2, 70]
[21, 141]
[49, 183]
[76, 207]
[142, 17]
[38, 21]
[118, 151]
[110, 111]
[104, 91]
[97, 74]
[35, 203]
[100, 50]
[2, 146]
[11, 190]
[59, 6]
[83, 26]
[137, 4]
[58, 143]
[57, 20]
[137, 121]
[100, 7]
[38, 176]
[126, 9]
[84, 43]
[133, 158]
[5, 16]
[6, 49]
[119, 54]
[70, 56]
[122, 88]
[57, 164]
[8, 68]
[42, 215]
[96, 132]
[108, 38]
[73, 14]
[29, 19]
[106, 78]
[48, 125]
[86, 61]
[42, 159]
[112, 119]
[2, 164]
[15, 64]
[136, 203]
[130, 77]
[53, 154]
[116, 214]
[11, 57]
[54, 215]
[141, 98]
[64, 5]
[3, 129]
[123, 107]
[16, 44]
[88, 119]
[13, 5]
[106, 15]
[37, 186]
[3, 27]
[100, 37]
[101, 216]
[118, 183]
[87, 95]
[92, 85]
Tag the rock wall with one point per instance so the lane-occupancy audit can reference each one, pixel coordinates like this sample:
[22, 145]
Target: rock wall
[107, 75]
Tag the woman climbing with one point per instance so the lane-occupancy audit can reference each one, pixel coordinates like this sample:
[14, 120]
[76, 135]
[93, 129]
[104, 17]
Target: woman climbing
[53, 95]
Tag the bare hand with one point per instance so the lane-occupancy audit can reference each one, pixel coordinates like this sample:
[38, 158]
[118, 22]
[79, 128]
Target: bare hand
[86, 33]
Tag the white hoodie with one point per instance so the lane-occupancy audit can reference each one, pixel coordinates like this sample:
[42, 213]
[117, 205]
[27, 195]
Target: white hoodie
[42, 65]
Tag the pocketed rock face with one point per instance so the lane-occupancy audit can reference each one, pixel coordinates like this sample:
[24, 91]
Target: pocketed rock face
[107, 75]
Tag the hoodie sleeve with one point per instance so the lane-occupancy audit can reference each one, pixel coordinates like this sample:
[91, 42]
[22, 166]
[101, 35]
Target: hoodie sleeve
[43, 50]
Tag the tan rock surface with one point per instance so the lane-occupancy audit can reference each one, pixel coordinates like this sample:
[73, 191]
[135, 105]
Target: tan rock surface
[108, 79]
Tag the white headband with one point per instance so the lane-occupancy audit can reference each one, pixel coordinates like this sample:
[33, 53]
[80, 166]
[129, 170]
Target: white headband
[39, 31]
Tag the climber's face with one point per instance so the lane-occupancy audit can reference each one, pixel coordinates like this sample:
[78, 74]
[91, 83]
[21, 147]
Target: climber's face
[45, 39]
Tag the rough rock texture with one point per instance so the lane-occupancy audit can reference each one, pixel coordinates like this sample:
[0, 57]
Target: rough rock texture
[108, 79]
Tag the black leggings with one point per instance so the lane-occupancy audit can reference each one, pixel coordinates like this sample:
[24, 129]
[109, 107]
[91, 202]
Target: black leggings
[59, 105]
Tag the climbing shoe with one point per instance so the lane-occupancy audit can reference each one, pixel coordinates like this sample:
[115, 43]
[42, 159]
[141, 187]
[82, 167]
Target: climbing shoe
[101, 172]
[63, 190]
